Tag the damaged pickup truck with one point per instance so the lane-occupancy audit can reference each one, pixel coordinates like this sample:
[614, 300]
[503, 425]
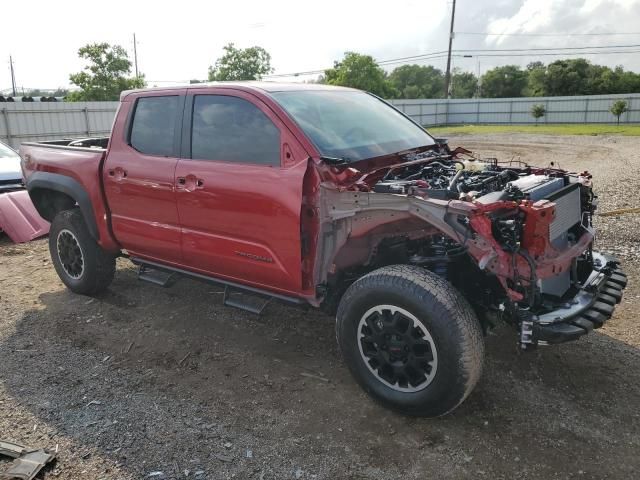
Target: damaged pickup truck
[331, 197]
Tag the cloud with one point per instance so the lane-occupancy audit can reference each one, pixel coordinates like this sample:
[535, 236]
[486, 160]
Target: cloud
[180, 43]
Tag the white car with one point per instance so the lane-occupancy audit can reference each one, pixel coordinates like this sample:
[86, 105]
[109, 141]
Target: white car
[10, 172]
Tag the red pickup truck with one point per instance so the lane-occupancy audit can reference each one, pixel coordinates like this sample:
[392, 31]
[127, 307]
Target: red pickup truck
[329, 196]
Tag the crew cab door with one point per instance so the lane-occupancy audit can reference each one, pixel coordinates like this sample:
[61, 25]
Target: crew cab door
[239, 191]
[139, 176]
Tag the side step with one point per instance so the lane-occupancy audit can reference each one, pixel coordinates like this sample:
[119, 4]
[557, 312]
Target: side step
[247, 298]
[157, 277]
[253, 303]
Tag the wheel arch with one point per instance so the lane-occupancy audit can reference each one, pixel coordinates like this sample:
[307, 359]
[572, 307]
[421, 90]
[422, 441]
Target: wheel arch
[52, 193]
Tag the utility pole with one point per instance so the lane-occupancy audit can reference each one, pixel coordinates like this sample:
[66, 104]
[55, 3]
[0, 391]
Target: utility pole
[447, 78]
[135, 54]
[13, 76]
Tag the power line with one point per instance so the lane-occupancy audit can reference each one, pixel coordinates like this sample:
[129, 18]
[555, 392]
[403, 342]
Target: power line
[543, 54]
[538, 49]
[504, 52]
[595, 34]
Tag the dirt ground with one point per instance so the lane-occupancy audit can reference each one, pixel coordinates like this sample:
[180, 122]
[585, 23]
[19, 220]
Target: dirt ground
[146, 382]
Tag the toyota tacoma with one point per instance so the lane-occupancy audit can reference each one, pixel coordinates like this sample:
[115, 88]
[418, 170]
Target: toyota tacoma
[331, 197]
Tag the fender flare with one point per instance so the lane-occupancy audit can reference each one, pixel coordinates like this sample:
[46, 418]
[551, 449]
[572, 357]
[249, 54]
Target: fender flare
[68, 186]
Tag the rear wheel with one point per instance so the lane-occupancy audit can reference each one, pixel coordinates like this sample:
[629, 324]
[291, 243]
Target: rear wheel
[82, 265]
[410, 340]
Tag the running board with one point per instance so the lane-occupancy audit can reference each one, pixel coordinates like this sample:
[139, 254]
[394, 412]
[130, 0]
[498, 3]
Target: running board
[240, 299]
[155, 276]
[165, 276]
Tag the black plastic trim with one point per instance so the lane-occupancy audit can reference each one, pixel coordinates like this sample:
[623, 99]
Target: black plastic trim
[600, 309]
[217, 281]
[68, 186]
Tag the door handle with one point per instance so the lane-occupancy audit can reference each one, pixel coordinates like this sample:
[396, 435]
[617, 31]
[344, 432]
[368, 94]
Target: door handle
[118, 172]
[189, 183]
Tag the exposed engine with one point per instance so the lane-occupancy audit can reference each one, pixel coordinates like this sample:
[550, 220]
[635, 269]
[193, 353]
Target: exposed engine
[488, 182]
[471, 180]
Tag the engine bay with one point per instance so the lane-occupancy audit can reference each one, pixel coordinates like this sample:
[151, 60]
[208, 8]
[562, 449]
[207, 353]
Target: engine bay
[482, 180]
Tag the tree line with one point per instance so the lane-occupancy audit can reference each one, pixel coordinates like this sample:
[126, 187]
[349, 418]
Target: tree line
[108, 72]
[560, 78]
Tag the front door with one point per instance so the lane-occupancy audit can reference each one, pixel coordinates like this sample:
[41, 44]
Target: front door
[238, 201]
[139, 179]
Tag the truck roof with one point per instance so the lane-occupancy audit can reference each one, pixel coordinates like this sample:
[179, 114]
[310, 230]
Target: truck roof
[264, 86]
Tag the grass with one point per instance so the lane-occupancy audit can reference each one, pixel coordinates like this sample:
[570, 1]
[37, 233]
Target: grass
[542, 129]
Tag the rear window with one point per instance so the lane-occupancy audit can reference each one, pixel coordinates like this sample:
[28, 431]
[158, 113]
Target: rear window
[153, 127]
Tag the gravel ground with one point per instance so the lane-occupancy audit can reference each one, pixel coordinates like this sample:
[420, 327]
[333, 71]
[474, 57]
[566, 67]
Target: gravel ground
[145, 382]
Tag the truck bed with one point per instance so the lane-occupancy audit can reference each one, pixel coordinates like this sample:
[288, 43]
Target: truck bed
[74, 169]
[95, 143]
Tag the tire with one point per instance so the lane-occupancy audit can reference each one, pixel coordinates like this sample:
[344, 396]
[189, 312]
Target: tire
[411, 340]
[82, 265]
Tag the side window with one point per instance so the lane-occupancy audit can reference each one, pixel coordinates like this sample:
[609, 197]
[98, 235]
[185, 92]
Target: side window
[154, 123]
[233, 129]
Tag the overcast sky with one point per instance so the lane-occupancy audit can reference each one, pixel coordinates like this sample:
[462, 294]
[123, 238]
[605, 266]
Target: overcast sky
[177, 41]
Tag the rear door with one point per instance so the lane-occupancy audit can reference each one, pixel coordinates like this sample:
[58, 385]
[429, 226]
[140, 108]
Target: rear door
[139, 178]
[239, 191]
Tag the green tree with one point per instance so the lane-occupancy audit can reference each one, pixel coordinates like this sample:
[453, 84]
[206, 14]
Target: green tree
[618, 108]
[362, 72]
[568, 77]
[463, 84]
[504, 82]
[417, 81]
[105, 75]
[536, 72]
[627, 82]
[538, 111]
[241, 64]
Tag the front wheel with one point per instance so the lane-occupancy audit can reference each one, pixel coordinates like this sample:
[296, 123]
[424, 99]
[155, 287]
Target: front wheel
[82, 265]
[410, 340]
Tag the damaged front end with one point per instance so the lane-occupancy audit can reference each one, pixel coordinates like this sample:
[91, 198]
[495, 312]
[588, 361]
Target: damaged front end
[516, 240]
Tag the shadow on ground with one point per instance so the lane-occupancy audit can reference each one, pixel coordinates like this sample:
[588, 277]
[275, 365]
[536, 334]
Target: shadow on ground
[144, 379]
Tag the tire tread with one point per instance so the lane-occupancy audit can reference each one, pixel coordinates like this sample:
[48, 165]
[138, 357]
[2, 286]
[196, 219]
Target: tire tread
[427, 287]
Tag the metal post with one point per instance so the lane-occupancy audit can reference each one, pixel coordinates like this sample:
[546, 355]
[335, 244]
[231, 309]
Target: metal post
[86, 121]
[477, 111]
[626, 117]
[447, 78]
[446, 111]
[13, 76]
[546, 109]
[135, 54]
[586, 110]
[5, 115]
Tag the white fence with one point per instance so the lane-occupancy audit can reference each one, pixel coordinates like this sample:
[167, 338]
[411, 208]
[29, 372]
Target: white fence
[582, 109]
[35, 121]
[22, 122]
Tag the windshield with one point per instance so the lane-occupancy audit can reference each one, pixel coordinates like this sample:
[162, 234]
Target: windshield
[6, 152]
[351, 125]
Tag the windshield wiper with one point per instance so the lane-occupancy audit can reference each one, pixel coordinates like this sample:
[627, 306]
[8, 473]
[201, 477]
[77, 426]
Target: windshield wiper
[335, 160]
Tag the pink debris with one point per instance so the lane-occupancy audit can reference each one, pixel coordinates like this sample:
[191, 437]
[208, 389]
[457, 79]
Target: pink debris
[19, 218]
